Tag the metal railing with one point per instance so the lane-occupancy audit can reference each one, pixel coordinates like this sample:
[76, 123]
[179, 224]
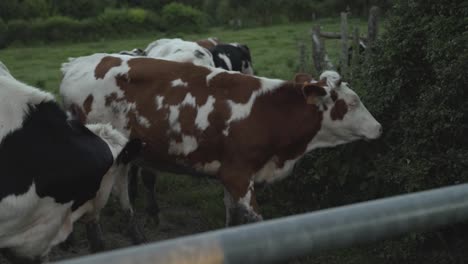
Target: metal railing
[300, 235]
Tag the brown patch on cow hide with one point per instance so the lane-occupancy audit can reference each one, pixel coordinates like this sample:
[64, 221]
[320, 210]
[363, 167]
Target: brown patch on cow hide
[281, 124]
[87, 104]
[235, 87]
[339, 110]
[110, 98]
[105, 65]
[187, 115]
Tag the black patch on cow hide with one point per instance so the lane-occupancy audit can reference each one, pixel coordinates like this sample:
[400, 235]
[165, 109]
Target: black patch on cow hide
[65, 160]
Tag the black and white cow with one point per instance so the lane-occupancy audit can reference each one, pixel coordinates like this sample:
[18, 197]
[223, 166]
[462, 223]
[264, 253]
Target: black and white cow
[233, 57]
[53, 170]
[133, 52]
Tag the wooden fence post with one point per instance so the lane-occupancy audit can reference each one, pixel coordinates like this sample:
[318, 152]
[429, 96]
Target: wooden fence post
[319, 53]
[317, 49]
[356, 55]
[372, 26]
[344, 45]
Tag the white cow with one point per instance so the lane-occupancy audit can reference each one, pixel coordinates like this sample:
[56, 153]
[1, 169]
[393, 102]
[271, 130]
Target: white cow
[180, 50]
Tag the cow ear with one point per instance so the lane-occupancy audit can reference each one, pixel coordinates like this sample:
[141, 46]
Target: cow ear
[313, 93]
[332, 79]
[302, 78]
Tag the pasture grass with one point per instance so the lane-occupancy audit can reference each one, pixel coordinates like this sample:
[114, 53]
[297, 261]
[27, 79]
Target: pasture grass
[274, 50]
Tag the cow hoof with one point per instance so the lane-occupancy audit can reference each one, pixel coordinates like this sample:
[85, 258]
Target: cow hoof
[153, 211]
[136, 231]
[241, 215]
[95, 238]
[137, 235]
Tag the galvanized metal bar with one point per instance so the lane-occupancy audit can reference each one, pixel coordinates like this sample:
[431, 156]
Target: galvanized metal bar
[300, 235]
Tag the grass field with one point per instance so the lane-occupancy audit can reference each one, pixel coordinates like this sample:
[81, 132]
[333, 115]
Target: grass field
[274, 50]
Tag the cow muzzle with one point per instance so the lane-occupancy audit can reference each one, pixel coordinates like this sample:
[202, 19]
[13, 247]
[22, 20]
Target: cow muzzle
[374, 132]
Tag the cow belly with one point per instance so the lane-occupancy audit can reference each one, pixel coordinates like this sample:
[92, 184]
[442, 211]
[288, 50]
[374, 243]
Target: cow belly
[30, 225]
[271, 171]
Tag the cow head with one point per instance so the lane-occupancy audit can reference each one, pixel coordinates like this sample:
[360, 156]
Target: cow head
[246, 58]
[345, 118]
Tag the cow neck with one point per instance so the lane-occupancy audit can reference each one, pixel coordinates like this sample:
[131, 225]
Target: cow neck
[295, 122]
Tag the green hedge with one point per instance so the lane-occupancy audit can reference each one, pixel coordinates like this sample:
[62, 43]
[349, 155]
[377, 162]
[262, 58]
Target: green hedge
[110, 23]
[179, 17]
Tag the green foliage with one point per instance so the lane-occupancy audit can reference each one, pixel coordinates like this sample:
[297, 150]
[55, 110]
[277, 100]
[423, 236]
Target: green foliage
[183, 18]
[81, 8]
[414, 83]
[3, 32]
[19, 31]
[112, 22]
[117, 21]
[34, 8]
[128, 21]
[58, 28]
[152, 5]
[10, 9]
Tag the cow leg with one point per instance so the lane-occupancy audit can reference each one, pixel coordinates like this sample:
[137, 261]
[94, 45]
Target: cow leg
[133, 183]
[95, 237]
[149, 180]
[242, 210]
[69, 243]
[134, 228]
[239, 199]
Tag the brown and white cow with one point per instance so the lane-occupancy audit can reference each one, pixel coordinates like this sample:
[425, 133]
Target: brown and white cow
[239, 128]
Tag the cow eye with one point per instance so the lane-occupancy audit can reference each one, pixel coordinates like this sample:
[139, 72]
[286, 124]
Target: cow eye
[354, 102]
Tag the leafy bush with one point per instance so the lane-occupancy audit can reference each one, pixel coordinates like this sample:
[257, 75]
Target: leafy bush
[179, 17]
[34, 9]
[58, 28]
[128, 21]
[10, 9]
[19, 31]
[112, 22]
[81, 8]
[414, 83]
